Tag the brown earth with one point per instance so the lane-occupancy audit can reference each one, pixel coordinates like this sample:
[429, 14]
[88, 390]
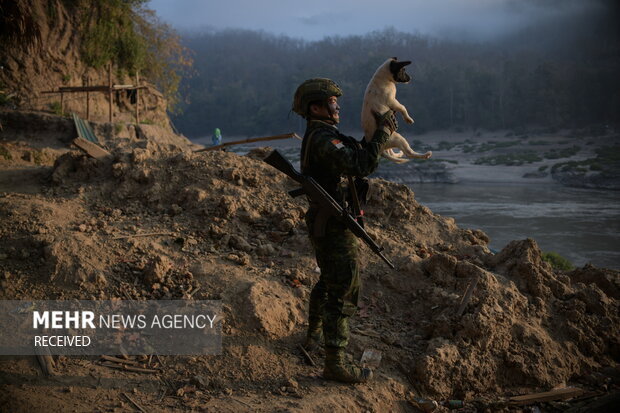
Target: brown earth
[227, 230]
[51, 59]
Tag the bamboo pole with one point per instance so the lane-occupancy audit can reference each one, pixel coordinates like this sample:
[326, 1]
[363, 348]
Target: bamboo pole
[250, 140]
[102, 88]
[87, 102]
[137, 98]
[466, 297]
[110, 89]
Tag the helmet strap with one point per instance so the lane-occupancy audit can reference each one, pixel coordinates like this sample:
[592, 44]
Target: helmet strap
[331, 115]
[328, 119]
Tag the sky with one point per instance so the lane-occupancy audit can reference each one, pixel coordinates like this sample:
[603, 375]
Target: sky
[316, 19]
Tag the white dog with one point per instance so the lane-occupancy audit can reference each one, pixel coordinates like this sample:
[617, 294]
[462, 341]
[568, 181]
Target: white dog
[380, 96]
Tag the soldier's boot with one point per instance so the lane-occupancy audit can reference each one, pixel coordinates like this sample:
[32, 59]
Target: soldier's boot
[314, 337]
[338, 369]
[314, 340]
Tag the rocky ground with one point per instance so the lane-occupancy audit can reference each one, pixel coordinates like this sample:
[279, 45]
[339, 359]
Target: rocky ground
[222, 227]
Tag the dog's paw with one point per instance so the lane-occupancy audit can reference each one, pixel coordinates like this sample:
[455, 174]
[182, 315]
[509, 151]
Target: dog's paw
[399, 160]
[428, 154]
[396, 153]
[408, 119]
[396, 157]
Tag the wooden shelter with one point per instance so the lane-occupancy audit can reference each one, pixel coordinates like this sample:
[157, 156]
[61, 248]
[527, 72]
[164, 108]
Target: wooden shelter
[109, 89]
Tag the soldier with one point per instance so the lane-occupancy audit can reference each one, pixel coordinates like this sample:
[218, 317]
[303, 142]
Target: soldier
[328, 156]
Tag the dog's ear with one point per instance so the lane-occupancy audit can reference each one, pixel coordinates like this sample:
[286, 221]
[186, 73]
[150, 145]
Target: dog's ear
[403, 64]
[395, 66]
[398, 71]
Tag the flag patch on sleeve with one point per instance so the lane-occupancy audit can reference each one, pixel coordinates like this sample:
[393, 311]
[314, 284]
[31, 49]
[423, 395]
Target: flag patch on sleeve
[337, 143]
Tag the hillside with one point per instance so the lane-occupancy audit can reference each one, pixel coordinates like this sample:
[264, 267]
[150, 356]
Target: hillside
[226, 229]
[50, 44]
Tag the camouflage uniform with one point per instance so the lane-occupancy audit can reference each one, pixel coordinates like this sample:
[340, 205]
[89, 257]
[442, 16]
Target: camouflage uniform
[327, 156]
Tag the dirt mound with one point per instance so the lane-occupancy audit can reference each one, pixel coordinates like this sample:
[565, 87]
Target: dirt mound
[525, 326]
[153, 224]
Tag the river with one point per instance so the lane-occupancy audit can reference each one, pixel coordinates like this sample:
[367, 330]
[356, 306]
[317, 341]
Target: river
[582, 225]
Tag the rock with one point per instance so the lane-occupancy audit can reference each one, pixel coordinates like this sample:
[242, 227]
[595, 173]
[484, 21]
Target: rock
[522, 262]
[199, 381]
[239, 243]
[265, 250]
[596, 301]
[241, 258]
[228, 206]
[215, 231]
[249, 217]
[175, 209]
[480, 235]
[193, 197]
[101, 280]
[155, 270]
[286, 225]
[607, 280]
[225, 240]
[580, 177]
[232, 174]
[139, 155]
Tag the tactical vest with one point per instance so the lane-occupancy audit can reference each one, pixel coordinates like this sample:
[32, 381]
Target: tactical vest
[336, 185]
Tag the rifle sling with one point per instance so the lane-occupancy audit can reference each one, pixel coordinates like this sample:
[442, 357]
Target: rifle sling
[357, 208]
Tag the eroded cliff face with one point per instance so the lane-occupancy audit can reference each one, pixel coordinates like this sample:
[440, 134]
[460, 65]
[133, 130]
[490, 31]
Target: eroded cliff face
[45, 54]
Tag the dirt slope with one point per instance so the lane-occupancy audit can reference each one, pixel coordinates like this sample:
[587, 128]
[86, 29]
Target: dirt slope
[227, 230]
[50, 58]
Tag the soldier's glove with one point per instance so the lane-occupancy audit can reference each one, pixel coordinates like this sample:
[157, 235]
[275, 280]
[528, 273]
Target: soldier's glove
[386, 121]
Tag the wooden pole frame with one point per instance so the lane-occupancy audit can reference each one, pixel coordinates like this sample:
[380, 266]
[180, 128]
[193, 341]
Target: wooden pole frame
[87, 101]
[250, 140]
[137, 97]
[110, 90]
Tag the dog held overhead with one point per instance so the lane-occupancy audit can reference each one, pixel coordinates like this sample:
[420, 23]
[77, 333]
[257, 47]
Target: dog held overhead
[380, 96]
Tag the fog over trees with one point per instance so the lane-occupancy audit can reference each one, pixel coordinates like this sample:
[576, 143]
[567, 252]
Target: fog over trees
[556, 74]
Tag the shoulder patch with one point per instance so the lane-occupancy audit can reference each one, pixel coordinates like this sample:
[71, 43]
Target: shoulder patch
[337, 143]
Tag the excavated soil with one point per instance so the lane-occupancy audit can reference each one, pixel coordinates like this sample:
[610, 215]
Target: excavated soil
[216, 225]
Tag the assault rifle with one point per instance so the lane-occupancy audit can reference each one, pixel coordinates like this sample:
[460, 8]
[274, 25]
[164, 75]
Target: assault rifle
[328, 206]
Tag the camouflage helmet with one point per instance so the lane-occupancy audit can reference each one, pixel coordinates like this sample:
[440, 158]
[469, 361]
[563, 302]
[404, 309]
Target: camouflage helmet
[313, 90]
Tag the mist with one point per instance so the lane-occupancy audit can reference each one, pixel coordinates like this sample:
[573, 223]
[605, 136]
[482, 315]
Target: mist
[470, 20]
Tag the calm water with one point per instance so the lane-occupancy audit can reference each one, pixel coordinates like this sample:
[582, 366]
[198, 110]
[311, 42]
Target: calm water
[582, 225]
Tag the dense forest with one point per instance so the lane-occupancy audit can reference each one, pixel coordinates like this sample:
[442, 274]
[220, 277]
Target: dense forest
[556, 74]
